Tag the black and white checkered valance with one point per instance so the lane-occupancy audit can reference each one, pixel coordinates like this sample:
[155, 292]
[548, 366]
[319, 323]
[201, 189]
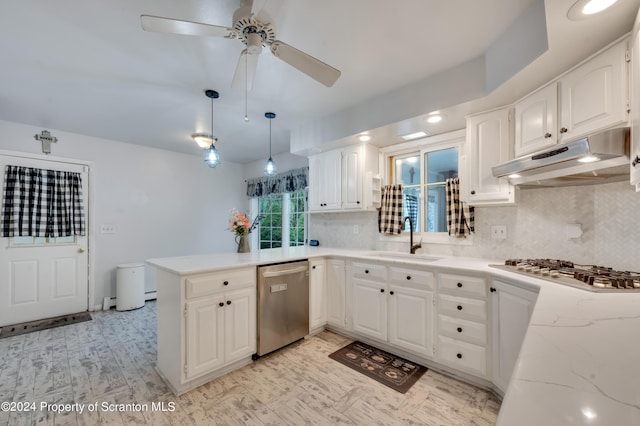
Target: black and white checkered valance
[290, 181]
[41, 203]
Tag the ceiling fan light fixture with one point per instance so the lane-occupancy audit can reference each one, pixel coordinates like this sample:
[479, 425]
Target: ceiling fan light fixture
[270, 166]
[583, 9]
[204, 140]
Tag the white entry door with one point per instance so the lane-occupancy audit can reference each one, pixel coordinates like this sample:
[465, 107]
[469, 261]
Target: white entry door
[43, 277]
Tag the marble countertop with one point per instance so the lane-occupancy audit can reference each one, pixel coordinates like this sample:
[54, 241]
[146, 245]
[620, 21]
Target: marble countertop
[580, 360]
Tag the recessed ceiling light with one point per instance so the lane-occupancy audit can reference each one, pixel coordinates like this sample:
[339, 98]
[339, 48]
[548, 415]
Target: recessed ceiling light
[583, 9]
[413, 136]
[364, 138]
[513, 176]
[436, 118]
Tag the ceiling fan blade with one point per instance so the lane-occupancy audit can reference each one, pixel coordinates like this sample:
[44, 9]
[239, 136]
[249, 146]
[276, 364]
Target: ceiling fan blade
[243, 68]
[309, 65]
[159, 24]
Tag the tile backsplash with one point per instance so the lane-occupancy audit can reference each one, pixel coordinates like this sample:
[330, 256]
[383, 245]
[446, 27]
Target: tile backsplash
[609, 216]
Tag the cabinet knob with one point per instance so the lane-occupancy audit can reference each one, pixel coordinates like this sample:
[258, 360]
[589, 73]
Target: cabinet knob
[493, 290]
[313, 267]
[408, 277]
[382, 290]
[459, 307]
[221, 304]
[366, 271]
[635, 161]
[459, 329]
[563, 130]
[547, 135]
[357, 202]
[225, 283]
[391, 292]
[473, 192]
[459, 285]
[459, 356]
[228, 302]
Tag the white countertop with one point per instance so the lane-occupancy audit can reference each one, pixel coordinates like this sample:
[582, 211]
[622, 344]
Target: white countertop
[580, 359]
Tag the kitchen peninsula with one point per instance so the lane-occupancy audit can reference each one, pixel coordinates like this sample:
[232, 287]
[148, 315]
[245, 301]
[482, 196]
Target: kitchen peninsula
[575, 365]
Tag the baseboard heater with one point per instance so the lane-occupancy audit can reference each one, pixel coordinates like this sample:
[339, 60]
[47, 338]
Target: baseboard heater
[109, 302]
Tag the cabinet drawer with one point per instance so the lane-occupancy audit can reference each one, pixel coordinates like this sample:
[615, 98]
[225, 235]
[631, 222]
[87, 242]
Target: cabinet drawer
[463, 285]
[460, 329]
[369, 271]
[411, 278]
[462, 307]
[205, 284]
[463, 356]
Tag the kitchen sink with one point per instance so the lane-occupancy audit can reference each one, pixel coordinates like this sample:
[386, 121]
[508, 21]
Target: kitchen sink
[402, 256]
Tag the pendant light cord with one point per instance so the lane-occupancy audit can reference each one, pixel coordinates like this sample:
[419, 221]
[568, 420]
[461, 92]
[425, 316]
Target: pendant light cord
[246, 87]
[270, 120]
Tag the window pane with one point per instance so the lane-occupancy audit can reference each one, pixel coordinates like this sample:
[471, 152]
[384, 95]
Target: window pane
[439, 166]
[271, 224]
[408, 170]
[296, 218]
[411, 208]
[407, 173]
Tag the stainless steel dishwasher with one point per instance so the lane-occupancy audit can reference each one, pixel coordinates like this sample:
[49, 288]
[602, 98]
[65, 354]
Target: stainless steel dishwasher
[283, 305]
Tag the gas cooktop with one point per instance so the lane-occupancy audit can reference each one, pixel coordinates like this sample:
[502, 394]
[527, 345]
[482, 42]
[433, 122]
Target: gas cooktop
[586, 277]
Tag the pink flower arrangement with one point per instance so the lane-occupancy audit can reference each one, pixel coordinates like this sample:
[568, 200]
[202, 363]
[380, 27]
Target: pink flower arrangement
[240, 225]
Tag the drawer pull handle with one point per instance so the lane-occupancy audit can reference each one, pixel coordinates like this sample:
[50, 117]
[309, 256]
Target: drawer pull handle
[228, 302]
[493, 290]
[391, 292]
[564, 130]
[221, 304]
[459, 356]
[225, 283]
[547, 135]
[459, 307]
[459, 329]
[366, 271]
[408, 277]
[459, 285]
[313, 267]
[382, 290]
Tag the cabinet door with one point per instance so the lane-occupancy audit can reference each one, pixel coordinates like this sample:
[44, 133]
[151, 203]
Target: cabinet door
[512, 308]
[411, 319]
[369, 313]
[336, 293]
[352, 178]
[240, 324]
[316, 183]
[204, 335]
[594, 96]
[635, 112]
[317, 294]
[536, 121]
[489, 140]
[332, 175]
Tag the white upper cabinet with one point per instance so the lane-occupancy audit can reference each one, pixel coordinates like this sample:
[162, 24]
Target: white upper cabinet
[591, 97]
[595, 95]
[635, 111]
[536, 121]
[337, 179]
[489, 142]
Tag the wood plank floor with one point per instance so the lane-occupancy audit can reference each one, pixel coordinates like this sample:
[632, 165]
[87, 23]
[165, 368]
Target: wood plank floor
[110, 361]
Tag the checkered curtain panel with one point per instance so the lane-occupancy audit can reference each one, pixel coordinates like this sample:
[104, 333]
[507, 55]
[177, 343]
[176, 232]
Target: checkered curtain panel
[411, 204]
[41, 203]
[390, 211]
[460, 217]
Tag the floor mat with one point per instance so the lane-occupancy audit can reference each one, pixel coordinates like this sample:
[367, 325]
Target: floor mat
[28, 327]
[390, 370]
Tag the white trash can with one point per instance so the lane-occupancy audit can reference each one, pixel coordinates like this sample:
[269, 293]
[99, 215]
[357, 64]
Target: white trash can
[129, 286]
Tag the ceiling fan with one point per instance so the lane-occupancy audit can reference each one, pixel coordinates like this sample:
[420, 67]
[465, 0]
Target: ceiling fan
[253, 28]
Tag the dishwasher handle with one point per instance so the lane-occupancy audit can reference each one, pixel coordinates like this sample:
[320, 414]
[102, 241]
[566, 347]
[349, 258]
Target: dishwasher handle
[271, 274]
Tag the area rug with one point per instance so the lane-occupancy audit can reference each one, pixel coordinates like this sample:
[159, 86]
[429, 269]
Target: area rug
[390, 370]
[28, 327]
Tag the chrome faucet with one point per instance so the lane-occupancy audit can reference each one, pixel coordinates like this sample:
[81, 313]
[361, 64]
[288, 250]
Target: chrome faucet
[412, 248]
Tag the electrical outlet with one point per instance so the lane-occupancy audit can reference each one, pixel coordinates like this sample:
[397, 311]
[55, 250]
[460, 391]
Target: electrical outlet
[107, 228]
[498, 232]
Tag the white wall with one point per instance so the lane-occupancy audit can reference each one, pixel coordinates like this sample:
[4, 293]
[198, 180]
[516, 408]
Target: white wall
[284, 162]
[162, 203]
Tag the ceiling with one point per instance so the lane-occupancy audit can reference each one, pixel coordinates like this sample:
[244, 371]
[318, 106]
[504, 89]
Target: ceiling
[89, 68]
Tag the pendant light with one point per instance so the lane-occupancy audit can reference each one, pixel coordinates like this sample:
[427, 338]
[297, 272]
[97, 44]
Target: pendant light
[212, 158]
[270, 166]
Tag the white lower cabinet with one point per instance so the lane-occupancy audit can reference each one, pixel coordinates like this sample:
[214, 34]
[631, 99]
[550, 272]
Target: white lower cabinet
[512, 308]
[317, 294]
[206, 325]
[462, 323]
[369, 307]
[336, 293]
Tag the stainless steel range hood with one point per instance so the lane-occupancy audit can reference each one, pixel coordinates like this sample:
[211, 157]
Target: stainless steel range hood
[601, 158]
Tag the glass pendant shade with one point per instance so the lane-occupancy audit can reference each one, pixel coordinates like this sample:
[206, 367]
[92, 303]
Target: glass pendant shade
[212, 158]
[270, 167]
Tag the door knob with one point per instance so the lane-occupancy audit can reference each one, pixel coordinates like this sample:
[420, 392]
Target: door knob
[80, 250]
